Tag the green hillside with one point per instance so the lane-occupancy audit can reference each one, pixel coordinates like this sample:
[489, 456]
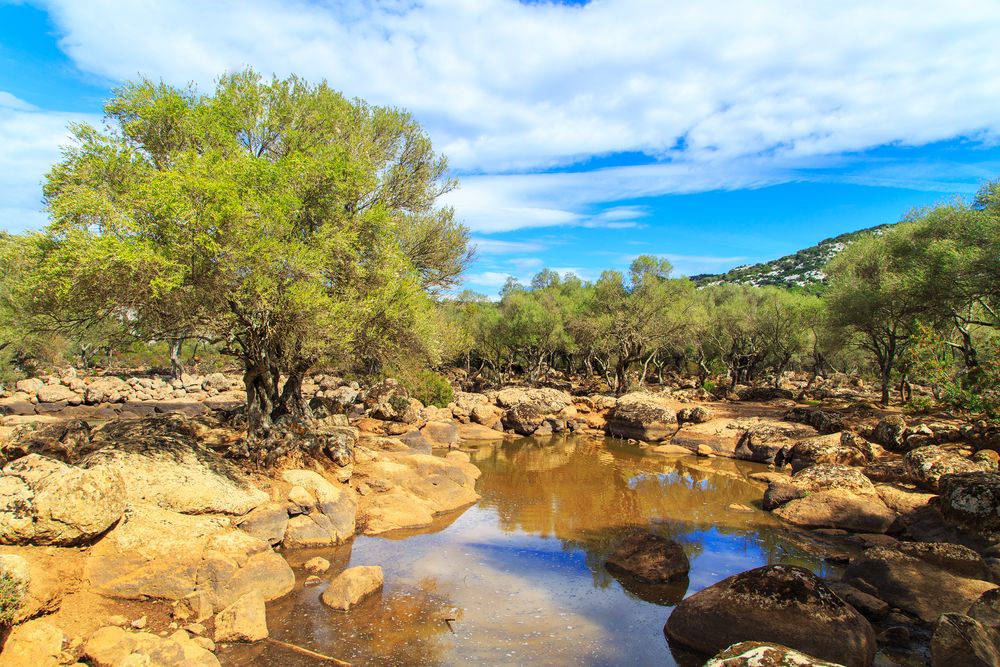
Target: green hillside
[801, 269]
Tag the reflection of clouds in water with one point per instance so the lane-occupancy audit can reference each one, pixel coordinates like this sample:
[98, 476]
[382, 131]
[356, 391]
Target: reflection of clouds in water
[517, 601]
[523, 571]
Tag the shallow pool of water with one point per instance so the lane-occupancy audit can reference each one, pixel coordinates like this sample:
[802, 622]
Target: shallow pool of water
[519, 577]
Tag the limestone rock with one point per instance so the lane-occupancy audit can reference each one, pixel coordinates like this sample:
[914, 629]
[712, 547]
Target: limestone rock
[926, 465]
[780, 492]
[971, 502]
[961, 640]
[642, 416]
[317, 565]
[57, 393]
[890, 432]
[108, 389]
[523, 419]
[912, 584]
[352, 586]
[112, 646]
[544, 400]
[161, 554]
[36, 643]
[838, 508]
[162, 462]
[825, 449]
[649, 558]
[64, 441]
[776, 603]
[243, 621]
[758, 654]
[826, 477]
[440, 434]
[411, 489]
[333, 520]
[770, 442]
[43, 501]
[986, 609]
[268, 522]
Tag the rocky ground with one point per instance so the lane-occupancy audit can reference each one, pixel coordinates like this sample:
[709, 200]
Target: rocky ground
[131, 535]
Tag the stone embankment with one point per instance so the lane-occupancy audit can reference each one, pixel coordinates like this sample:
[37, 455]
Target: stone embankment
[115, 492]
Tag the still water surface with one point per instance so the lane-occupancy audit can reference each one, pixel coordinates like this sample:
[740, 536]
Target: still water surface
[522, 571]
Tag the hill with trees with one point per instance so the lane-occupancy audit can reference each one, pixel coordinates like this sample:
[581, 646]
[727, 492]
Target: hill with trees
[804, 268]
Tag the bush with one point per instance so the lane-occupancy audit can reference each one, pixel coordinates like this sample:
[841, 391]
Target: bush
[428, 387]
[12, 592]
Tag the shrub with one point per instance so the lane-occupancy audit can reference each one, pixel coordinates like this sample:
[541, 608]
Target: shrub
[428, 387]
[12, 592]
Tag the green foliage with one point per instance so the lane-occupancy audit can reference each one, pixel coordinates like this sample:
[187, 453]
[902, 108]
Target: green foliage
[278, 218]
[12, 592]
[428, 387]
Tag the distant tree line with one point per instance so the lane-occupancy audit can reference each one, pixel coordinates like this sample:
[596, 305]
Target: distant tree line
[288, 228]
[915, 302]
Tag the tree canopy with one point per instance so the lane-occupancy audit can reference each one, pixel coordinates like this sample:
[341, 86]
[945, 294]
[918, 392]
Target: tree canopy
[276, 217]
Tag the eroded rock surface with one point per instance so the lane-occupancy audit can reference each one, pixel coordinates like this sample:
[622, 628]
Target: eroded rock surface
[776, 603]
[44, 501]
[758, 654]
[352, 586]
[642, 416]
[157, 553]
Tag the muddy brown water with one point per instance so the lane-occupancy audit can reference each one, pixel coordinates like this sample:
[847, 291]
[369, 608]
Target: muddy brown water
[519, 578]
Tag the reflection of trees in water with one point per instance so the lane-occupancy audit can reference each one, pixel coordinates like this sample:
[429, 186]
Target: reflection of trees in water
[404, 627]
[588, 493]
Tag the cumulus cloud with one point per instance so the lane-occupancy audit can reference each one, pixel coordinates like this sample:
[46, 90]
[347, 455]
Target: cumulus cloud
[30, 141]
[506, 86]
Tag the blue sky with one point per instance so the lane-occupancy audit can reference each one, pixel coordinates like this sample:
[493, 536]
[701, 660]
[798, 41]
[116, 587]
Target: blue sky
[715, 134]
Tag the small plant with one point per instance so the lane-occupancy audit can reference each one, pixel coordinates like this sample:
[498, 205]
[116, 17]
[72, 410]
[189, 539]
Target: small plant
[428, 387]
[399, 403]
[12, 592]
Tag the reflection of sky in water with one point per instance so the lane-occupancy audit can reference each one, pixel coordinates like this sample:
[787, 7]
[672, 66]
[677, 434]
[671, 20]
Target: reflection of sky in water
[521, 595]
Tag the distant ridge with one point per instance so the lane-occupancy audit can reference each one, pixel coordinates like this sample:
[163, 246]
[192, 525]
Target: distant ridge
[801, 269]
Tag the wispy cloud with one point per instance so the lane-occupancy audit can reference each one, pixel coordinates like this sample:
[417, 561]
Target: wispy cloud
[496, 246]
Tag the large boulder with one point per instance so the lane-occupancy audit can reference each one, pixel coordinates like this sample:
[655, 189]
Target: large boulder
[825, 449]
[268, 522]
[112, 646]
[838, 508]
[545, 401]
[403, 490]
[642, 416]
[649, 558]
[57, 393]
[161, 554]
[770, 442]
[822, 421]
[890, 432]
[961, 640]
[163, 463]
[43, 501]
[775, 603]
[440, 434]
[926, 465]
[331, 514]
[36, 643]
[913, 584]
[65, 441]
[828, 477]
[971, 502]
[352, 586]
[758, 654]
[523, 419]
[986, 609]
[243, 621]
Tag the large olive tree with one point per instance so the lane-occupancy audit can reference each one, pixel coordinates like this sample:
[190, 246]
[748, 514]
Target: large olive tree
[275, 217]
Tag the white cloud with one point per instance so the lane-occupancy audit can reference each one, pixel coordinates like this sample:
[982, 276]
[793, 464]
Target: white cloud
[497, 247]
[30, 143]
[510, 86]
